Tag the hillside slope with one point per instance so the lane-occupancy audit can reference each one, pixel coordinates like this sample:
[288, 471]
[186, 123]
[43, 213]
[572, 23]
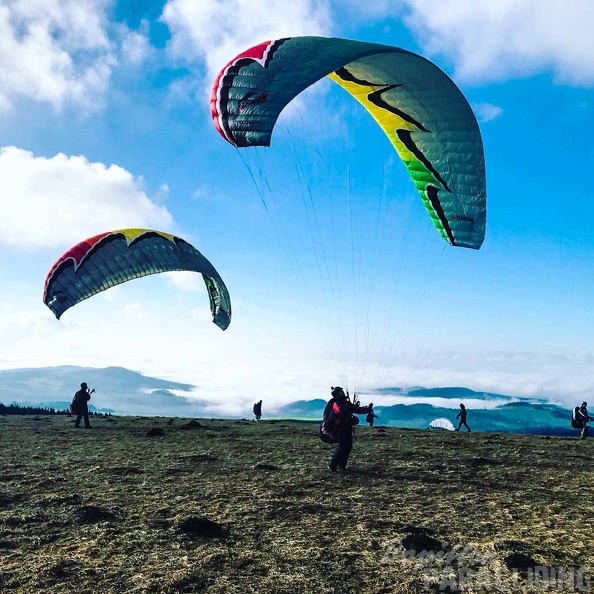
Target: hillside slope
[239, 506]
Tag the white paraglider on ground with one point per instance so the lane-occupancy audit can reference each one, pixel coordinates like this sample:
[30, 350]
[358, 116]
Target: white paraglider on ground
[443, 424]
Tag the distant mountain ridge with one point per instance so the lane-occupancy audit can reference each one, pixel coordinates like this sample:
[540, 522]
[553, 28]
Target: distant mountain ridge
[511, 417]
[119, 390]
[452, 393]
[122, 391]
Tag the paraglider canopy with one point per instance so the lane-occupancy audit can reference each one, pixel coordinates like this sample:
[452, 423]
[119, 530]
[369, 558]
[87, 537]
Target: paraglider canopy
[443, 424]
[115, 257]
[424, 114]
[428, 124]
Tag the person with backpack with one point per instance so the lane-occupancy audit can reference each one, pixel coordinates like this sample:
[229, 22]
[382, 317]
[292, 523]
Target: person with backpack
[371, 416]
[341, 419]
[462, 416]
[258, 410]
[80, 405]
[583, 417]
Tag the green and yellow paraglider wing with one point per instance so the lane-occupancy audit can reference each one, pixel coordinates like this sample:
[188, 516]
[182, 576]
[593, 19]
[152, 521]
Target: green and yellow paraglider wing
[421, 110]
[115, 257]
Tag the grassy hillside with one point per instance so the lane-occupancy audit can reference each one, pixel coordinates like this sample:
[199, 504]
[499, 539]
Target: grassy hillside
[239, 507]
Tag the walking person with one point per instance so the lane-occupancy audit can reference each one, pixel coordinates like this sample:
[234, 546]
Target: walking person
[343, 420]
[584, 417]
[80, 405]
[462, 416]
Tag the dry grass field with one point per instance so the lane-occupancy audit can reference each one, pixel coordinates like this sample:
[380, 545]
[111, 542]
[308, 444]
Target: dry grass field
[219, 506]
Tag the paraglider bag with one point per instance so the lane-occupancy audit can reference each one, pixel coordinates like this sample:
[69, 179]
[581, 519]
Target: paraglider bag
[576, 424]
[75, 406]
[327, 435]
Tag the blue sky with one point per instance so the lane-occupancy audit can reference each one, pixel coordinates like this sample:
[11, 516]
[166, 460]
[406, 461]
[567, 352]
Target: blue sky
[105, 124]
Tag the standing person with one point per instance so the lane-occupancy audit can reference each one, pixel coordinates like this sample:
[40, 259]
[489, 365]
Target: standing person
[80, 405]
[370, 416]
[462, 416]
[343, 419]
[584, 417]
[258, 410]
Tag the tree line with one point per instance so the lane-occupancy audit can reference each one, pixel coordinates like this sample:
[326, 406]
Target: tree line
[17, 409]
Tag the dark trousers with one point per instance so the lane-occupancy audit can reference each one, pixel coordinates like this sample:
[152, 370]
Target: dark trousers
[344, 446]
[463, 422]
[85, 414]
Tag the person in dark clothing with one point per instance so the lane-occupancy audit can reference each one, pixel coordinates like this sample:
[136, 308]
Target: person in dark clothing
[80, 405]
[343, 419]
[584, 417]
[462, 416]
[370, 416]
[258, 410]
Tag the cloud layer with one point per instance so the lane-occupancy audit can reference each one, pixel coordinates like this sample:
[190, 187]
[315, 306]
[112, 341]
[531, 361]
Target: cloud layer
[63, 52]
[485, 39]
[54, 51]
[502, 39]
[217, 31]
[61, 200]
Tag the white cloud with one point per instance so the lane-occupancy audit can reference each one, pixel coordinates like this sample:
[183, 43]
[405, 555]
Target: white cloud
[487, 111]
[186, 281]
[134, 310]
[136, 47]
[498, 39]
[61, 200]
[558, 376]
[54, 51]
[218, 30]
[16, 322]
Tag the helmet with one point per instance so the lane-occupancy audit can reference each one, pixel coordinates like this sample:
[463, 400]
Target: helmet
[83, 385]
[338, 392]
